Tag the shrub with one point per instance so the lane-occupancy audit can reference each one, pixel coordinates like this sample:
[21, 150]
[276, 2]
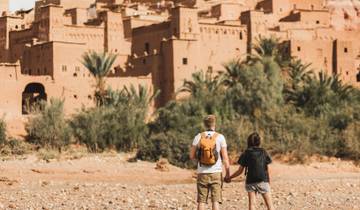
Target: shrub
[48, 127]
[16, 147]
[351, 138]
[48, 154]
[119, 124]
[173, 146]
[2, 132]
[109, 127]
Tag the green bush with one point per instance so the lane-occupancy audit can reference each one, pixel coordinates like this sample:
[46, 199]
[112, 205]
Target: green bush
[16, 147]
[2, 132]
[48, 127]
[296, 113]
[118, 124]
[121, 128]
[173, 146]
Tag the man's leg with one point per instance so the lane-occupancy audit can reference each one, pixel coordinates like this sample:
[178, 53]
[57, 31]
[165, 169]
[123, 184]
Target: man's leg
[268, 200]
[216, 190]
[201, 206]
[252, 200]
[215, 206]
[202, 190]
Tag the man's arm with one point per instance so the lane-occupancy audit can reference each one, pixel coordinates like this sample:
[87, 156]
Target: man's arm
[193, 152]
[225, 159]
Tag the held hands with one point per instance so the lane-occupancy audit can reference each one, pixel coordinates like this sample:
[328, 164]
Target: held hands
[227, 179]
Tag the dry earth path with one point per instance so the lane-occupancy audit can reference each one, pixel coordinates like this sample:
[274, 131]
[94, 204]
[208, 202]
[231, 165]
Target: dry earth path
[110, 182]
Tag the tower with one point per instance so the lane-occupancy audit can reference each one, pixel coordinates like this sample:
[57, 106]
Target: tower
[184, 22]
[4, 6]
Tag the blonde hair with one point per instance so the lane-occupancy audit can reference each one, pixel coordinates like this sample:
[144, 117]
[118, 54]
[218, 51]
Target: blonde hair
[209, 121]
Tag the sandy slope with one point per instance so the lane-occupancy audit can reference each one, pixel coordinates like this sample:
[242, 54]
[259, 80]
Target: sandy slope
[110, 182]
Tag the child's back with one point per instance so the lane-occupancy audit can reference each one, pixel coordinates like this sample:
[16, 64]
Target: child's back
[255, 159]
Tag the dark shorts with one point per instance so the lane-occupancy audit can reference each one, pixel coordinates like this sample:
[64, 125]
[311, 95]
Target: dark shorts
[261, 187]
[209, 184]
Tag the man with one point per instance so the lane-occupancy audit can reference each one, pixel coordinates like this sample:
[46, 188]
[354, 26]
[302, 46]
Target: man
[210, 150]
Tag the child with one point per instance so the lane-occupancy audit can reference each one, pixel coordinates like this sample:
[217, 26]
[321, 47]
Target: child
[255, 161]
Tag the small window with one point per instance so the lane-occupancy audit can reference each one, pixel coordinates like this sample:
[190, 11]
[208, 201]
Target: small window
[64, 68]
[298, 49]
[358, 77]
[317, 22]
[147, 47]
[345, 50]
[347, 73]
[312, 7]
[75, 96]
[75, 75]
[185, 61]
[144, 61]
[241, 35]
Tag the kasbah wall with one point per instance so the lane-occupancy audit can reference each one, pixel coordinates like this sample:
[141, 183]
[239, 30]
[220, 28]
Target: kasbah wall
[159, 44]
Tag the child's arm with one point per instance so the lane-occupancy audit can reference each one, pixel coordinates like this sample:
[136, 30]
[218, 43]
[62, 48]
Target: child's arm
[268, 171]
[238, 172]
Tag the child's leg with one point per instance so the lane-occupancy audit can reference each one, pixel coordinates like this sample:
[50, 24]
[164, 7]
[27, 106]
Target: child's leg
[252, 200]
[268, 201]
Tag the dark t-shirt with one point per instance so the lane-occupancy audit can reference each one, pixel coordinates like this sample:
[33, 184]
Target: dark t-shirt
[256, 160]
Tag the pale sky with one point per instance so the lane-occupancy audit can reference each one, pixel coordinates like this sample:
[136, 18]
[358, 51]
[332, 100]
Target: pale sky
[21, 4]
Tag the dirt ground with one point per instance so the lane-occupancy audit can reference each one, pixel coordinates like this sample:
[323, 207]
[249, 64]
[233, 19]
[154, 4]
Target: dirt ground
[111, 182]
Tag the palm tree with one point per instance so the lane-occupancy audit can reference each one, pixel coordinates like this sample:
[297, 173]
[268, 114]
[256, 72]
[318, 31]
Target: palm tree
[202, 84]
[324, 94]
[141, 96]
[232, 73]
[266, 46]
[270, 48]
[344, 91]
[99, 65]
[299, 74]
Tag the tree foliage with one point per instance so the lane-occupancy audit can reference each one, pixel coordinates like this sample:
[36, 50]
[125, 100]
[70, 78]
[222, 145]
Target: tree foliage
[296, 111]
[99, 65]
[48, 127]
[2, 132]
[120, 124]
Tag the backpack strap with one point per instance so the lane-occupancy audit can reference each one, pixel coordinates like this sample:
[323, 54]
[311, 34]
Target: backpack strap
[202, 135]
[214, 136]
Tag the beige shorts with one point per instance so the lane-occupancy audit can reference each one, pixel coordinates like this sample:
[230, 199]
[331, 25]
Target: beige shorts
[209, 184]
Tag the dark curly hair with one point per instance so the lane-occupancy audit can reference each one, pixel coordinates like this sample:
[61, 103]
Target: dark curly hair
[253, 140]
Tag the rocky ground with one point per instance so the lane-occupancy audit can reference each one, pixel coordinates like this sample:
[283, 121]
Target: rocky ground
[110, 182]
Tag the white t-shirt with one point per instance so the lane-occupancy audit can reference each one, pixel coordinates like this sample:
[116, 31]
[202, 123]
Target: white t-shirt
[220, 143]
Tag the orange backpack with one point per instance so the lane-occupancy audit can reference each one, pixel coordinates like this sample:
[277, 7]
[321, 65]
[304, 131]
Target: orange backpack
[207, 153]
